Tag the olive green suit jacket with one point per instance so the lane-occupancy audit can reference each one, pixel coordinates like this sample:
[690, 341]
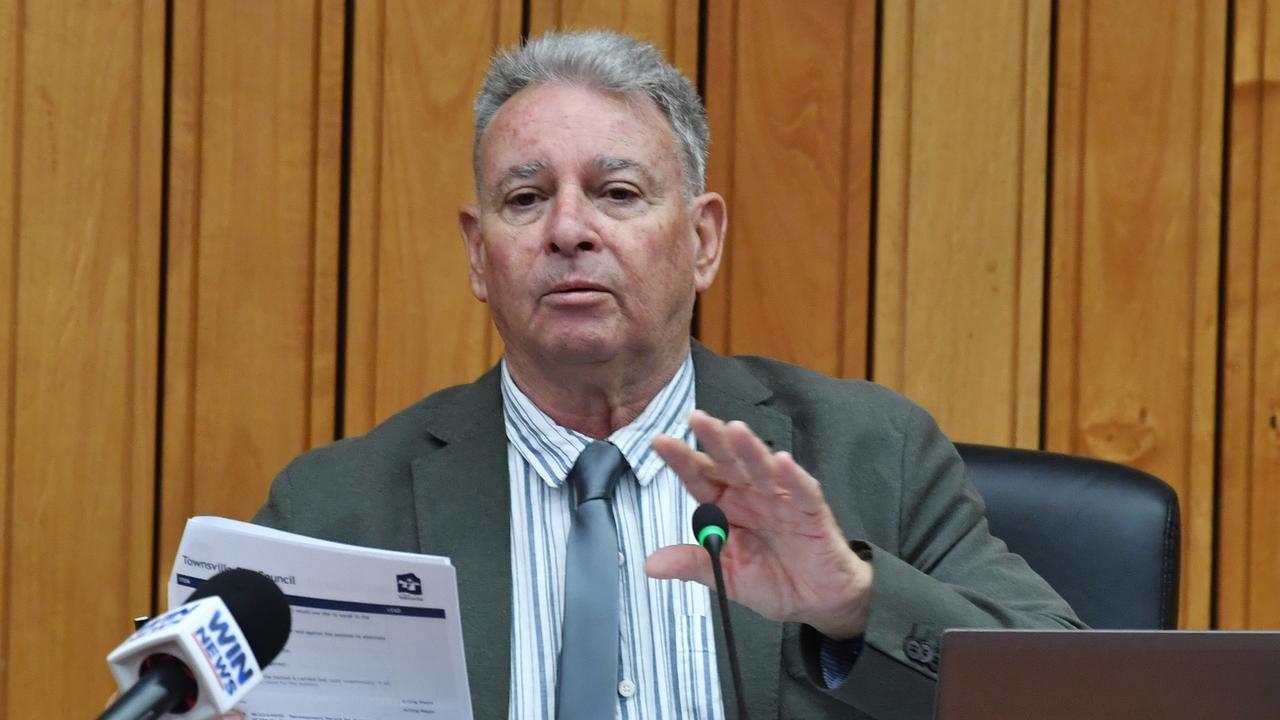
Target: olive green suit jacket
[433, 479]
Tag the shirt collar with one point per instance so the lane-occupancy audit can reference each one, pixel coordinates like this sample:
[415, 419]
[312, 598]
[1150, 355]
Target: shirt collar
[551, 450]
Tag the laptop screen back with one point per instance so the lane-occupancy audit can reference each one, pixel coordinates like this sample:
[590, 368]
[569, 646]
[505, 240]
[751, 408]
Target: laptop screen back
[1105, 674]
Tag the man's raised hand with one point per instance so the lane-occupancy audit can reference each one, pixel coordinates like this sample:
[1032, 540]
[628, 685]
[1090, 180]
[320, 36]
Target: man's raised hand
[786, 558]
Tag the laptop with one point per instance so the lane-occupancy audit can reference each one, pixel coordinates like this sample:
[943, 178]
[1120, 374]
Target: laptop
[1106, 674]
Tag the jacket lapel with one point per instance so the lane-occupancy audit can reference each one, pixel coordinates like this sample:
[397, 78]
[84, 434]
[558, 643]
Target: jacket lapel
[727, 391]
[463, 502]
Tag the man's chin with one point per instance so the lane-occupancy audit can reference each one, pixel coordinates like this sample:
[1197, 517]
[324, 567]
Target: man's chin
[584, 351]
[581, 344]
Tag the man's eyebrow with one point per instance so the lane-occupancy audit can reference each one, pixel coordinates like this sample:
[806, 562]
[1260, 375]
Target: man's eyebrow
[523, 171]
[616, 164]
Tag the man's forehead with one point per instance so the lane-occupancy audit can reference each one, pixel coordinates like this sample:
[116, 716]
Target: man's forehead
[557, 95]
[578, 119]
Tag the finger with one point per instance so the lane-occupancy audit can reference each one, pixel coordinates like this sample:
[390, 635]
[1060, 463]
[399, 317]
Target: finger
[680, 562]
[755, 458]
[804, 489]
[713, 440]
[695, 469]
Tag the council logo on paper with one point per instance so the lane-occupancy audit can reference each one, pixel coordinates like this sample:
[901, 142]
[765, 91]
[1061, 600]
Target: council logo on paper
[409, 586]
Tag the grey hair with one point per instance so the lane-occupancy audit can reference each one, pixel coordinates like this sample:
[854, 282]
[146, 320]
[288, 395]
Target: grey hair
[607, 61]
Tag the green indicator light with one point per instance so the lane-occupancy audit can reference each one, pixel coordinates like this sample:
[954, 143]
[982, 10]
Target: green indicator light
[712, 530]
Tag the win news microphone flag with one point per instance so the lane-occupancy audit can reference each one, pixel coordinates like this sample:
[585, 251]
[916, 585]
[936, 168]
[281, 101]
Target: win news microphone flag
[200, 659]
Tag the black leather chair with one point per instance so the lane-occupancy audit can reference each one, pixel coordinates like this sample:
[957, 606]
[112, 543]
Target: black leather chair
[1104, 535]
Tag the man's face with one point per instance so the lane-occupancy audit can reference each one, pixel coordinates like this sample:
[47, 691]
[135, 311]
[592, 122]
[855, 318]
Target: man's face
[583, 242]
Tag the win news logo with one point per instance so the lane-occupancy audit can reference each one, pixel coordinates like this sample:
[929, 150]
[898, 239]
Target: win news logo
[224, 652]
[409, 586]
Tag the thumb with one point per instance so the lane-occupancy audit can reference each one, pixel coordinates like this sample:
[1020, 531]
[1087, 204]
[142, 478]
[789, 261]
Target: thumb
[680, 562]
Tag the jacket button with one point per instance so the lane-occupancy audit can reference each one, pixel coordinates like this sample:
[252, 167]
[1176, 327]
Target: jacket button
[926, 653]
[913, 649]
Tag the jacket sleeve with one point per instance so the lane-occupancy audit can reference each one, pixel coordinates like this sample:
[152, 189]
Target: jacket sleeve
[949, 572]
[275, 512]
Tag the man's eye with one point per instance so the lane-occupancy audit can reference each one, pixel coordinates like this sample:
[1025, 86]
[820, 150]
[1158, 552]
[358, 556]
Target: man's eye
[620, 194]
[524, 199]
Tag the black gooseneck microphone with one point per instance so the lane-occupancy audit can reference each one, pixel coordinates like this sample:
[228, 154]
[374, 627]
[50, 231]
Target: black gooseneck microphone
[711, 528]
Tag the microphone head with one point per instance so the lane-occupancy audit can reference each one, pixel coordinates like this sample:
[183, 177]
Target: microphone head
[258, 606]
[709, 520]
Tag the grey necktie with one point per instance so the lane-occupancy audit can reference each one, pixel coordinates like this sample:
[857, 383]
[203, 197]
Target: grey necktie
[588, 677]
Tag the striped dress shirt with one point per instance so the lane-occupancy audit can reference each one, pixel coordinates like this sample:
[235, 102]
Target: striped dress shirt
[667, 668]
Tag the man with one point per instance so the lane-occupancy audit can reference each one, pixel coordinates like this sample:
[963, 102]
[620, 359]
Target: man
[855, 538]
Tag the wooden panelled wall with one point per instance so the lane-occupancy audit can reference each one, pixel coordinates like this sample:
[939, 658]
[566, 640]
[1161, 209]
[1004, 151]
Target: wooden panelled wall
[227, 234]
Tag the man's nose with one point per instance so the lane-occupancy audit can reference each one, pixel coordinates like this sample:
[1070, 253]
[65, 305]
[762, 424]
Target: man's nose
[570, 230]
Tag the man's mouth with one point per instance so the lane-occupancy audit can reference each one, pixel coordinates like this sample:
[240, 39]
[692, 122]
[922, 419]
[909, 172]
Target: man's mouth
[576, 287]
[577, 295]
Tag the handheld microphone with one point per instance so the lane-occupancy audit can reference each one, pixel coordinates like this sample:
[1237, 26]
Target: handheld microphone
[201, 658]
[711, 528]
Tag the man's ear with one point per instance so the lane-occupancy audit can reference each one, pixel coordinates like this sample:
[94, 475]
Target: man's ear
[469, 224]
[710, 221]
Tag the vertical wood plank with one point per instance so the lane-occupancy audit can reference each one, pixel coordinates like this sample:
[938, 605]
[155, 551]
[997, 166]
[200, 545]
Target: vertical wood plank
[671, 25]
[327, 119]
[80, 220]
[791, 154]
[1033, 184]
[719, 88]
[1248, 554]
[1063, 332]
[859, 150]
[894, 185]
[363, 218]
[1203, 328]
[178, 421]
[961, 235]
[252, 275]
[1133, 308]
[413, 325]
[10, 192]
[788, 137]
[1265, 506]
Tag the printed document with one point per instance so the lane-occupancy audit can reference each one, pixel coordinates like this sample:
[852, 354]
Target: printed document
[376, 634]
